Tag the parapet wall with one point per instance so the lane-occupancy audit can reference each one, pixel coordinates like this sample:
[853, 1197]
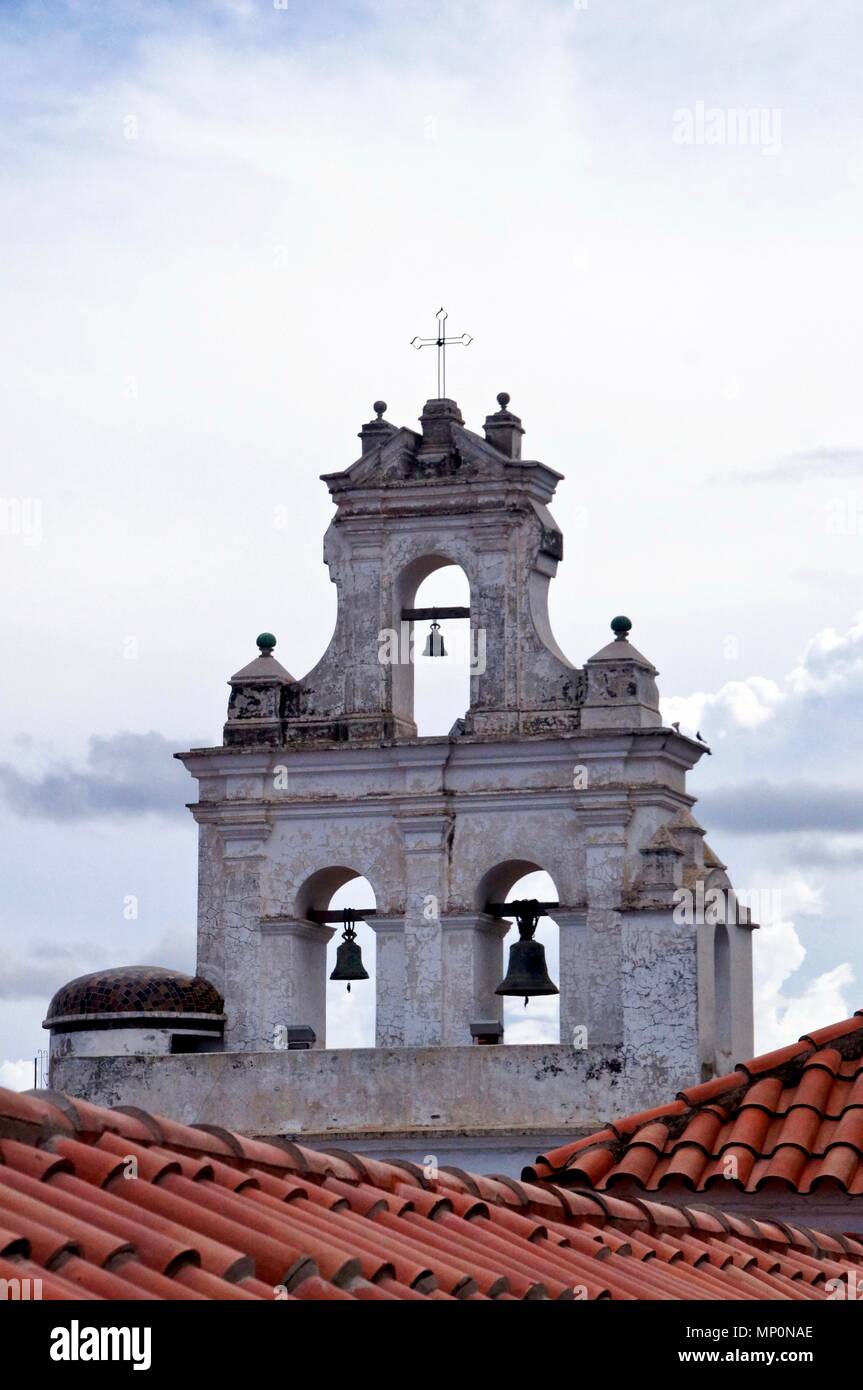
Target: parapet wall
[382, 1093]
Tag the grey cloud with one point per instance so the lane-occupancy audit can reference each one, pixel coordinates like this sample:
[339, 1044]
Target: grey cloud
[825, 853]
[802, 467]
[125, 775]
[770, 808]
[47, 966]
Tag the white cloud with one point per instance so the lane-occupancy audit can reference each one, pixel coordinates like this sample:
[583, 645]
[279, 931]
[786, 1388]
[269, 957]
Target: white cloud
[244, 9]
[539, 1023]
[782, 1017]
[746, 704]
[800, 897]
[831, 660]
[772, 733]
[832, 663]
[16, 1076]
[782, 1014]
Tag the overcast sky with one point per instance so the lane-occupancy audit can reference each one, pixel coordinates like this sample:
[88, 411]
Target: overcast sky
[222, 223]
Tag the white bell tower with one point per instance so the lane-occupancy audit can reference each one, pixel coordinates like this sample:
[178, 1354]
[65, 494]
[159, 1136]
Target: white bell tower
[556, 767]
[569, 770]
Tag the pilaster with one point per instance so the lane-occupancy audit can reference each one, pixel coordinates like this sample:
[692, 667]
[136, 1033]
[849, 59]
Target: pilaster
[575, 982]
[229, 939]
[472, 970]
[605, 877]
[389, 980]
[426, 841]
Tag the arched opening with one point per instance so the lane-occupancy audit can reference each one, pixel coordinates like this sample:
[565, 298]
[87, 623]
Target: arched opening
[434, 691]
[722, 997]
[350, 1014]
[539, 1022]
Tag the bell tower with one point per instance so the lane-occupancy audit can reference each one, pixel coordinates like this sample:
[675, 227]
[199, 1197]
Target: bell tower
[412, 504]
[553, 766]
[322, 779]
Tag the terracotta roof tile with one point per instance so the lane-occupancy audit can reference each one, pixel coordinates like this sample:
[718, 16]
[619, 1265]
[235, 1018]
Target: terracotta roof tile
[849, 1130]
[701, 1132]
[554, 1159]
[685, 1165]
[623, 1128]
[638, 1162]
[821, 1036]
[770, 1061]
[792, 1118]
[765, 1093]
[815, 1089]
[784, 1169]
[711, 1091]
[204, 1213]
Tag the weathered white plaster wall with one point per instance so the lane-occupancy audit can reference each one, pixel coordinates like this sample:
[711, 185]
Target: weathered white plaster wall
[659, 976]
[131, 1042]
[439, 827]
[110, 1042]
[352, 1093]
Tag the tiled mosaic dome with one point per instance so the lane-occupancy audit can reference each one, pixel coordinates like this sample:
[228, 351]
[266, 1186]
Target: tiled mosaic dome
[133, 989]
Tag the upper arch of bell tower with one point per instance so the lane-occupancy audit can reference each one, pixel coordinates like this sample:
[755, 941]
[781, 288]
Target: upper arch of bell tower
[412, 502]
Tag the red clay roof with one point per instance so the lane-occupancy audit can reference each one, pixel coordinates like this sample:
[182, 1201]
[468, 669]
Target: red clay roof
[791, 1120]
[120, 1204]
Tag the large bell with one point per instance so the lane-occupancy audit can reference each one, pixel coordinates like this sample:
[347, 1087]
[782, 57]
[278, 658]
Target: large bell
[434, 642]
[349, 958]
[526, 972]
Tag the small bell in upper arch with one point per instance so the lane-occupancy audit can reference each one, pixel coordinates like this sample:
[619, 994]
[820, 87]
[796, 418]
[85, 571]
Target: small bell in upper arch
[434, 642]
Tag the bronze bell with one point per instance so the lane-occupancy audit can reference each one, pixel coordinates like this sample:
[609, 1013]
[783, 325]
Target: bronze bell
[349, 957]
[434, 641]
[526, 972]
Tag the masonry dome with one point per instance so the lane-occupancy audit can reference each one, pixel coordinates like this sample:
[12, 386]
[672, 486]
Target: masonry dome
[134, 989]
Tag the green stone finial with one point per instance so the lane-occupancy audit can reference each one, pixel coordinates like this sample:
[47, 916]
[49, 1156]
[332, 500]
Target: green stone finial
[266, 641]
[621, 627]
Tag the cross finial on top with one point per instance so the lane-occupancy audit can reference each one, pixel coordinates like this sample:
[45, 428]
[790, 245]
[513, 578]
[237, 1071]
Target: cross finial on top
[441, 342]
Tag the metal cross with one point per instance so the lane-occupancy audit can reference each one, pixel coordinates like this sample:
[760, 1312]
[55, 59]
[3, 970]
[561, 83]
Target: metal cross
[441, 342]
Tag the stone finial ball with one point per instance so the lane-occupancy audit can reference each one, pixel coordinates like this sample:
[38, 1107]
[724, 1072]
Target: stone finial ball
[266, 641]
[621, 626]
[503, 399]
[379, 408]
